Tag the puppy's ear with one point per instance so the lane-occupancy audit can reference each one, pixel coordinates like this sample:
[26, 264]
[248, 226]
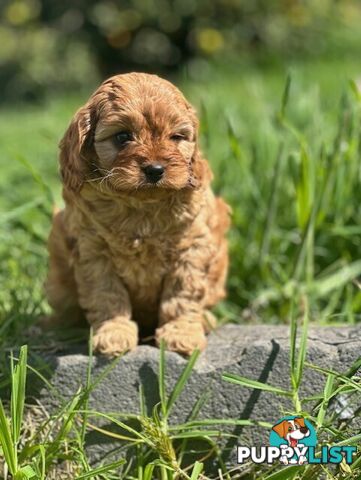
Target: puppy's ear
[201, 173]
[73, 146]
[281, 429]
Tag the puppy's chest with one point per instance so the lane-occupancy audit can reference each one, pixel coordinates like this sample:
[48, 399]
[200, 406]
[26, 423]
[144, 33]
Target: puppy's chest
[140, 250]
[142, 261]
[142, 243]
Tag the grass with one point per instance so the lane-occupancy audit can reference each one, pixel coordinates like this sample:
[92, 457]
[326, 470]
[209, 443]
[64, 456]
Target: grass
[285, 149]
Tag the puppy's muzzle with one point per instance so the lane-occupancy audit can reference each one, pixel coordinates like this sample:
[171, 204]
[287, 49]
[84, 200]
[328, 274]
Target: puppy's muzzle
[153, 173]
[304, 430]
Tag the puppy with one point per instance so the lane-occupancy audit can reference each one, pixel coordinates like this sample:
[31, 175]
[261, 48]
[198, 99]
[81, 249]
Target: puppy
[140, 245]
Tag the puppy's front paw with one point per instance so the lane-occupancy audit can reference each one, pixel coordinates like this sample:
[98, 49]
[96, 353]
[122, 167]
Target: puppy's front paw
[115, 336]
[182, 336]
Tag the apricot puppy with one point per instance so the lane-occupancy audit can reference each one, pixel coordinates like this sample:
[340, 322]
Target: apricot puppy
[140, 245]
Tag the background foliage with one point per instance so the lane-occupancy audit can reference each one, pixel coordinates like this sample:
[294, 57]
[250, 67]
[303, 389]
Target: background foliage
[47, 46]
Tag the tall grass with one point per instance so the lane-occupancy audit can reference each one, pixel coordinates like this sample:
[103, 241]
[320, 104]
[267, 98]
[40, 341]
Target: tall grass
[52, 440]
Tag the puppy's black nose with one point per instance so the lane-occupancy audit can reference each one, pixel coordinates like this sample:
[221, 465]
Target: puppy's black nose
[153, 173]
[304, 429]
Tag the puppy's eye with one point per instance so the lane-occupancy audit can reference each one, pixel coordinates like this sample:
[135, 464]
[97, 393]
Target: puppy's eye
[177, 137]
[122, 138]
[290, 429]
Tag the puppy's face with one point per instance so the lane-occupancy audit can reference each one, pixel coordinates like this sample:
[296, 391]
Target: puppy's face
[136, 132]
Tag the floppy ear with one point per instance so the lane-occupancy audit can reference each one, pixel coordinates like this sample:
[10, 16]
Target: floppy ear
[300, 421]
[281, 429]
[72, 157]
[201, 172]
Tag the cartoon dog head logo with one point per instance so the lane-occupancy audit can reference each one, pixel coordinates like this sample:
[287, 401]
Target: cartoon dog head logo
[292, 430]
[293, 434]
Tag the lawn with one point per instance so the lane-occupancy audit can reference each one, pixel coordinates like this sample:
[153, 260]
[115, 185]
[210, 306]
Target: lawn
[284, 147]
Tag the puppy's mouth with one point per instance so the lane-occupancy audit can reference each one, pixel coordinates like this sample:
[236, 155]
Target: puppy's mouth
[151, 181]
[165, 184]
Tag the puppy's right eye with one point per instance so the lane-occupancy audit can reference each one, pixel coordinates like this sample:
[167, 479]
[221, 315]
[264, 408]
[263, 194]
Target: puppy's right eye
[122, 138]
[177, 137]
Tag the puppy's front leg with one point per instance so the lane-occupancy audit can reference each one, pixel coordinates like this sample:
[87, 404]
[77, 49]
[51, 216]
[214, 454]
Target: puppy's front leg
[107, 306]
[183, 318]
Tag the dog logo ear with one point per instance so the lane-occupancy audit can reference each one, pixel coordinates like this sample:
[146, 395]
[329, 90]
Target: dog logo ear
[72, 159]
[300, 421]
[281, 428]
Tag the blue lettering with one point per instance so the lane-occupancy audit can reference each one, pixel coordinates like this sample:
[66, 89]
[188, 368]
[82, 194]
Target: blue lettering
[324, 454]
[335, 454]
[311, 456]
[349, 451]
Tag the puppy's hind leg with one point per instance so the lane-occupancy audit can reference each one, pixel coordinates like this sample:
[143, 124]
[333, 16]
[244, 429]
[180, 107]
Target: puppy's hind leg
[60, 285]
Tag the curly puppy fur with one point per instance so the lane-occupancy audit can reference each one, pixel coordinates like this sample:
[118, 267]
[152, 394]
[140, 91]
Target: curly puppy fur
[131, 251]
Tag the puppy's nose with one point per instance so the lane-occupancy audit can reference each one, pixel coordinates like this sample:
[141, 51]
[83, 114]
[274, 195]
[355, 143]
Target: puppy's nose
[304, 429]
[153, 173]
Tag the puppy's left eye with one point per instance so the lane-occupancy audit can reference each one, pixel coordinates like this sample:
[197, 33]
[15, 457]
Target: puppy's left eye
[122, 138]
[177, 137]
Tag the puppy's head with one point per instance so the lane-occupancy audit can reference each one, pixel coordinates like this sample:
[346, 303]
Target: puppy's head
[137, 132]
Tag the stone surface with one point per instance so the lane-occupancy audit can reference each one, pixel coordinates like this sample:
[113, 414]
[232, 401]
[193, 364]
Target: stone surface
[258, 352]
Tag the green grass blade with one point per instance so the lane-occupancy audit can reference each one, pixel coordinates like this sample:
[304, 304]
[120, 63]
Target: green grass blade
[355, 90]
[327, 393]
[101, 470]
[142, 402]
[161, 378]
[246, 382]
[293, 338]
[87, 384]
[182, 380]
[43, 184]
[21, 210]
[221, 421]
[354, 440]
[285, 96]
[26, 472]
[119, 424]
[18, 381]
[6, 441]
[198, 434]
[339, 376]
[198, 405]
[285, 473]
[197, 470]
[323, 286]
[303, 345]
[354, 368]
[272, 207]
[148, 472]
